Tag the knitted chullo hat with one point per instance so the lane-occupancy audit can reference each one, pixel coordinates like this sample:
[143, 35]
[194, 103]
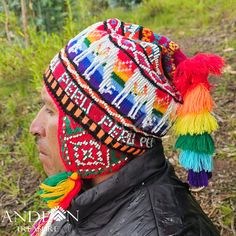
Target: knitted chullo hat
[118, 88]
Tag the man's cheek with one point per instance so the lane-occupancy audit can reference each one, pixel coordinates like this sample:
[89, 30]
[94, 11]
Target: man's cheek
[52, 136]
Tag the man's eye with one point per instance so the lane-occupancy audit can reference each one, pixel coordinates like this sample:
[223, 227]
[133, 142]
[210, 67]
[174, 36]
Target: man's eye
[49, 111]
[41, 104]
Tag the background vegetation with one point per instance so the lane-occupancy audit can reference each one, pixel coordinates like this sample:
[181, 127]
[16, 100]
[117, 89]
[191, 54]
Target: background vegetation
[31, 32]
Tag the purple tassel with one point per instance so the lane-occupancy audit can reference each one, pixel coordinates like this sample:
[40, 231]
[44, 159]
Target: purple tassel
[198, 179]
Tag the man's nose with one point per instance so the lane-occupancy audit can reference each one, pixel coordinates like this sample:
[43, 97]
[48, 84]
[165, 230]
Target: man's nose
[37, 127]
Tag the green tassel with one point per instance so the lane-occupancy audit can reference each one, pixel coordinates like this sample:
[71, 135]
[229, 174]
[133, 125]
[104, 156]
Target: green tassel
[202, 143]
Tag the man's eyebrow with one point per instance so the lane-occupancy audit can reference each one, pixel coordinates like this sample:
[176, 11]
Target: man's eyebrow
[46, 101]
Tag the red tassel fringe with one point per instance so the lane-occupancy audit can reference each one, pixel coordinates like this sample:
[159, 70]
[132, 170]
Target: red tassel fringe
[68, 198]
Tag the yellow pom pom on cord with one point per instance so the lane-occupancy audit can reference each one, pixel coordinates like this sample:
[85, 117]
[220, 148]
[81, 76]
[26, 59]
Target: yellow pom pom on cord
[195, 124]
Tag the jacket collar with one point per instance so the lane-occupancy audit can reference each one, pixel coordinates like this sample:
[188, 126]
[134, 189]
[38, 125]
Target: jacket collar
[134, 173]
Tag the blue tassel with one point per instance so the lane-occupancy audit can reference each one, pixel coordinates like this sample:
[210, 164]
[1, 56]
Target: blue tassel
[196, 161]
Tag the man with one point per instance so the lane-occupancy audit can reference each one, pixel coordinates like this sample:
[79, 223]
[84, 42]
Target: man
[109, 96]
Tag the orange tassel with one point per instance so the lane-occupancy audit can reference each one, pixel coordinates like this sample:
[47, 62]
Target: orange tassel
[196, 101]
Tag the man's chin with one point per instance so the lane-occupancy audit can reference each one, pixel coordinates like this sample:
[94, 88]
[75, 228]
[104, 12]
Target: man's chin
[46, 167]
[47, 171]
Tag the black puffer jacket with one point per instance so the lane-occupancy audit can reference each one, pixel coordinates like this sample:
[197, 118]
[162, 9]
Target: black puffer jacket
[143, 198]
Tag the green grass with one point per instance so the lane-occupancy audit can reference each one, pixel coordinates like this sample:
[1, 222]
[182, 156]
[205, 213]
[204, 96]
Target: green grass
[189, 17]
[227, 214]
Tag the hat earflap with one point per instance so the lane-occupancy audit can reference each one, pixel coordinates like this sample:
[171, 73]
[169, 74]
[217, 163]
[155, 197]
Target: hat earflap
[195, 122]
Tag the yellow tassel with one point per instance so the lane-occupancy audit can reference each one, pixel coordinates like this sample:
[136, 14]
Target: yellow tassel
[62, 187]
[196, 101]
[195, 124]
[54, 203]
[52, 194]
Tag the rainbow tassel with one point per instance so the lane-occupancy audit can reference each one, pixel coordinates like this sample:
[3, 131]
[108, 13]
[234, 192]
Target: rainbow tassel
[58, 190]
[194, 121]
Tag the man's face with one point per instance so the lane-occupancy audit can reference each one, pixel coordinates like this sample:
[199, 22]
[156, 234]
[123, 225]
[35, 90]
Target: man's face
[44, 127]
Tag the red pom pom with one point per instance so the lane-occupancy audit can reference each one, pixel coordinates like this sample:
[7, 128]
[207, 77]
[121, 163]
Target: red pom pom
[196, 70]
